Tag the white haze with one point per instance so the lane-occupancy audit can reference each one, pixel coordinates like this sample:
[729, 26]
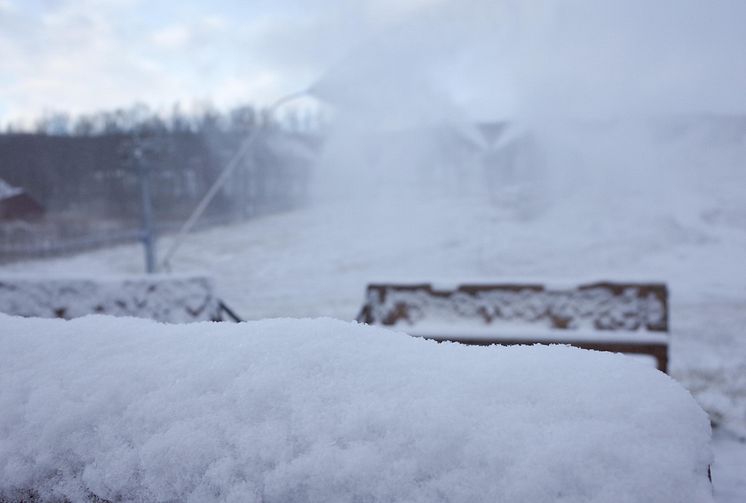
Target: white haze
[579, 58]
[616, 111]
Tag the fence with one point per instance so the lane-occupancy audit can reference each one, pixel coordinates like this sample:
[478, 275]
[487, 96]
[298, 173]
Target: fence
[90, 187]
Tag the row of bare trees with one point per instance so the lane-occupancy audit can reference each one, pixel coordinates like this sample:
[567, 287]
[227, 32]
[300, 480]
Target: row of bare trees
[82, 170]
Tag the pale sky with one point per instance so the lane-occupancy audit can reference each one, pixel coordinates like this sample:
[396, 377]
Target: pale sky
[85, 55]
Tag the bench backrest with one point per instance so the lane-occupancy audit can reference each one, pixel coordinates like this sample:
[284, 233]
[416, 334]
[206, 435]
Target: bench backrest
[166, 298]
[595, 306]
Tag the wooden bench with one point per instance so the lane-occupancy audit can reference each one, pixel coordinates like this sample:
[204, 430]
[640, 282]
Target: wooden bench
[165, 298]
[627, 318]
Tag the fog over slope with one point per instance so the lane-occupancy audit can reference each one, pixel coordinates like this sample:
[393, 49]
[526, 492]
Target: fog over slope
[620, 118]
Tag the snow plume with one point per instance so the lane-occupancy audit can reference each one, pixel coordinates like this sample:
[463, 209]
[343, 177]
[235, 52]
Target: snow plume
[490, 60]
[614, 107]
[322, 410]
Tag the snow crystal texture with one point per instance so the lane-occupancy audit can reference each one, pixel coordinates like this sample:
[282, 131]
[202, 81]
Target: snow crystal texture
[328, 411]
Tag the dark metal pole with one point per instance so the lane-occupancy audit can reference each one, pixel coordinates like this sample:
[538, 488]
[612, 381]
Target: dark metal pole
[148, 233]
[243, 150]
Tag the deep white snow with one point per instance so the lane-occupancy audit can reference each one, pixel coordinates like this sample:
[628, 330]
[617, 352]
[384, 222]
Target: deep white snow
[608, 202]
[318, 261]
[324, 410]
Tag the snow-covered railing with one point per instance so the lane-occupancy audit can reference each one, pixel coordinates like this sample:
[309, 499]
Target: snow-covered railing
[607, 316]
[167, 298]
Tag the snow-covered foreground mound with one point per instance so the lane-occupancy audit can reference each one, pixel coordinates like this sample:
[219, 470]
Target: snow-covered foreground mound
[289, 411]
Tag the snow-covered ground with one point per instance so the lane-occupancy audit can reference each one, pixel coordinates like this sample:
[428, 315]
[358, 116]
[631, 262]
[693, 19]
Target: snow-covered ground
[617, 152]
[317, 262]
[328, 411]
[629, 201]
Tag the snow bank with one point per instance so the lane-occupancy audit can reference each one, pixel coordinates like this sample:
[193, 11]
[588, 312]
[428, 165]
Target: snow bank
[158, 297]
[323, 410]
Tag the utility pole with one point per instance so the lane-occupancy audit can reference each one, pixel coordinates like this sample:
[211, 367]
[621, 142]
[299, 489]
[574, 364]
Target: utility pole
[137, 153]
[148, 232]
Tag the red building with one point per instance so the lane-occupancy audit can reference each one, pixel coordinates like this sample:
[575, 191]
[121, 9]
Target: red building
[16, 204]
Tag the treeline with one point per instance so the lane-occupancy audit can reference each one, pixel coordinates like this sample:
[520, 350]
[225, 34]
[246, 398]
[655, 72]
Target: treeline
[86, 171]
[140, 117]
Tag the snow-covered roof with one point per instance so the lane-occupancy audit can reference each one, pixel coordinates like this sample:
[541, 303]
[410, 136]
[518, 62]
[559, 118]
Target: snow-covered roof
[7, 190]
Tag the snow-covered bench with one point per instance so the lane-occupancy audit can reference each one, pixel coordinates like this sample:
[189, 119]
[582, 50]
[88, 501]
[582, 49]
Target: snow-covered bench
[164, 298]
[620, 317]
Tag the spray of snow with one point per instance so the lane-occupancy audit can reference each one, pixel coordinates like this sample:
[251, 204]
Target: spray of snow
[602, 114]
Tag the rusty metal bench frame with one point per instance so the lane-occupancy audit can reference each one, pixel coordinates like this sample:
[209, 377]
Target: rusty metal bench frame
[620, 317]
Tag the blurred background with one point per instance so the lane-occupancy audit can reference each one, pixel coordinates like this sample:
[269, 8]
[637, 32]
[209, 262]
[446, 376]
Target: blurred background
[295, 151]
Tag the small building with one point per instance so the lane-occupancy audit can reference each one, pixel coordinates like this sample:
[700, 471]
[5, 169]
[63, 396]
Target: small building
[17, 204]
